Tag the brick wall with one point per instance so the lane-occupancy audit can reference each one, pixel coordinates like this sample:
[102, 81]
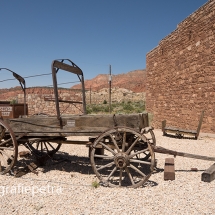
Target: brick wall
[181, 73]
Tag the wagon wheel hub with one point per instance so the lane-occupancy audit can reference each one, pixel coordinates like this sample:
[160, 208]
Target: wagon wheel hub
[121, 160]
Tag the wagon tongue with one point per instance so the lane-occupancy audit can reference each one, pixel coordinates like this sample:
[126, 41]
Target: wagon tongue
[162, 150]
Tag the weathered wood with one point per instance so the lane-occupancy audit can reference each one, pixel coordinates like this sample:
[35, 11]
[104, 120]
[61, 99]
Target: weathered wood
[200, 124]
[180, 132]
[169, 169]
[162, 150]
[31, 167]
[209, 174]
[84, 125]
[163, 126]
[145, 120]
[68, 68]
[61, 100]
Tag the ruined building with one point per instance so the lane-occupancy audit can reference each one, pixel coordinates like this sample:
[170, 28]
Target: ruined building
[181, 73]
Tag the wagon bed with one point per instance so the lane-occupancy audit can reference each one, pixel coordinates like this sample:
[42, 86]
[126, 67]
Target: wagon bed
[74, 125]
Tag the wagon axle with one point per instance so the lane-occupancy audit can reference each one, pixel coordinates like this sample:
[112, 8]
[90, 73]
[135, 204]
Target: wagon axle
[121, 160]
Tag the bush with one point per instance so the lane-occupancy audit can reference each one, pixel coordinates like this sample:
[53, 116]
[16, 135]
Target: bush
[119, 108]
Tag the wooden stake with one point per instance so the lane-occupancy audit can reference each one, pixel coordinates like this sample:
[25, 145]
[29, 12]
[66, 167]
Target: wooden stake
[209, 174]
[169, 169]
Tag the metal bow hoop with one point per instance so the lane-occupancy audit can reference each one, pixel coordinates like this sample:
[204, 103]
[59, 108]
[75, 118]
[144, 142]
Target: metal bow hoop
[22, 84]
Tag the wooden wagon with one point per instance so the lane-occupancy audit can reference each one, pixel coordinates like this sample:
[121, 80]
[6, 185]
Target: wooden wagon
[128, 144]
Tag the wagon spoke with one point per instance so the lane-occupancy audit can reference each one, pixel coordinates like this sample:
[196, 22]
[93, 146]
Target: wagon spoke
[140, 161]
[138, 152]
[108, 148]
[129, 175]
[7, 141]
[137, 170]
[2, 132]
[123, 142]
[46, 147]
[41, 146]
[112, 172]
[114, 142]
[37, 145]
[51, 145]
[132, 145]
[103, 156]
[10, 149]
[107, 165]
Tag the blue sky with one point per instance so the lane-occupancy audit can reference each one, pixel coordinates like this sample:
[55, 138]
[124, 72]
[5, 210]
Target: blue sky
[92, 33]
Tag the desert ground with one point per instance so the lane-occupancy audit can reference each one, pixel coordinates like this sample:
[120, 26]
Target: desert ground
[64, 185]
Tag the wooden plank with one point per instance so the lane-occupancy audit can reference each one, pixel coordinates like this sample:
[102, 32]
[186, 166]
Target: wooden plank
[144, 120]
[85, 125]
[169, 161]
[61, 100]
[184, 131]
[163, 126]
[171, 128]
[162, 150]
[68, 68]
[169, 169]
[209, 174]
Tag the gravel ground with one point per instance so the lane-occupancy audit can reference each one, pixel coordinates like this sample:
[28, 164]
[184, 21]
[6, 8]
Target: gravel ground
[66, 187]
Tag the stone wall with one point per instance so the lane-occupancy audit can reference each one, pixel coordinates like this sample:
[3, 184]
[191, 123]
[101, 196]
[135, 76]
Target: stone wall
[35, 98]
[39, 101]
[181, 73]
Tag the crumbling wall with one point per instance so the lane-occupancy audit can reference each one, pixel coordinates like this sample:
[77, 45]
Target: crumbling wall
[181, 73]
[41, 100]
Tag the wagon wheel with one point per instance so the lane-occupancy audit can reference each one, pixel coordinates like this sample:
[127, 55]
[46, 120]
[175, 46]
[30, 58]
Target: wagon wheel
[8, 148]
[43, 147]
[120, 165]
[149, 134]
[2, 131]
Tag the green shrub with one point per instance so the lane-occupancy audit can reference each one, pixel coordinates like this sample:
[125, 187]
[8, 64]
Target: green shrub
[117, 108]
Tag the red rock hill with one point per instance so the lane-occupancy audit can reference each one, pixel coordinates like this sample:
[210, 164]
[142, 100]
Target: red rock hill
[134, 81]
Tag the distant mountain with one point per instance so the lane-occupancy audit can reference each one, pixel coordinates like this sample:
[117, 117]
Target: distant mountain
[134, 81]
